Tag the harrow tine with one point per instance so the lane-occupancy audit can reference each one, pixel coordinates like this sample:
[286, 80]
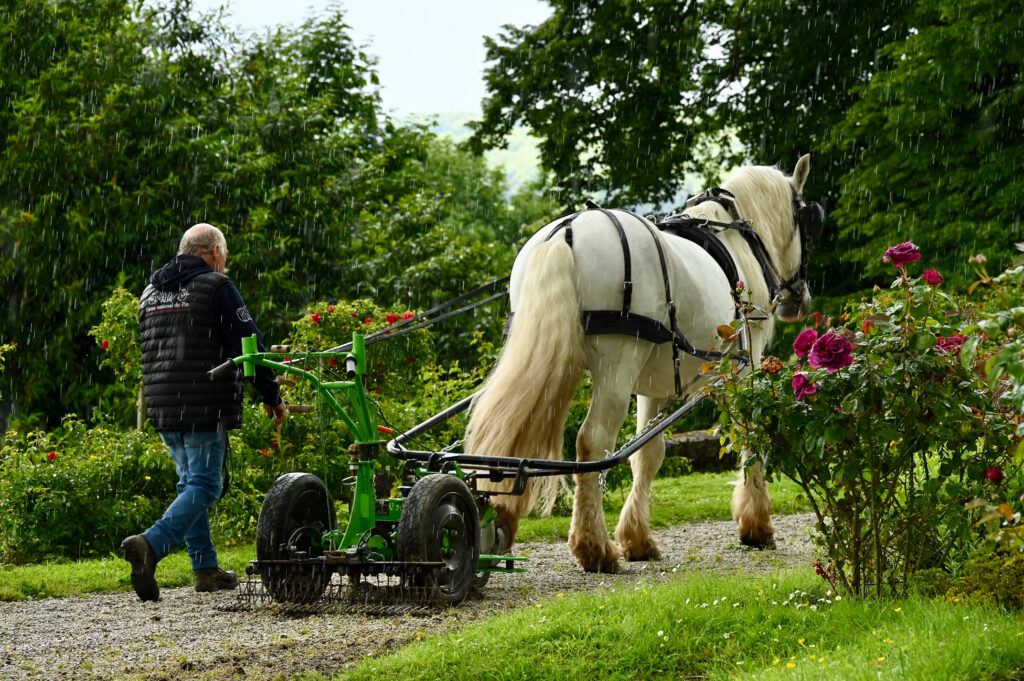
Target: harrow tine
[377, 594]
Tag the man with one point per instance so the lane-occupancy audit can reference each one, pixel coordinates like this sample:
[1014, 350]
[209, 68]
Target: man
[192, 319]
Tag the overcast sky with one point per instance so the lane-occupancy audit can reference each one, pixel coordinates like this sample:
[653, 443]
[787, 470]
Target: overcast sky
[431, 51]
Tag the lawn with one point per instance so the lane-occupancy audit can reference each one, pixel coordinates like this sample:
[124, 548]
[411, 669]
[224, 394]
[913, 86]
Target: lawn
[786, 626]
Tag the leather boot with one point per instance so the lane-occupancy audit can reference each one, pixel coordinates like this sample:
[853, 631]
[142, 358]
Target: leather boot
[215, 579]
[137, 551]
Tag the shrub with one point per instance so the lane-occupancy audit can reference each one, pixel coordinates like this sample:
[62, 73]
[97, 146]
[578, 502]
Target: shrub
[886, 426]
[78, 491]
[988, 577]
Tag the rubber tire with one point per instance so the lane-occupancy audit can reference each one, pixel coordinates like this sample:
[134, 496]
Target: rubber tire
[437, 504]
[294, 501]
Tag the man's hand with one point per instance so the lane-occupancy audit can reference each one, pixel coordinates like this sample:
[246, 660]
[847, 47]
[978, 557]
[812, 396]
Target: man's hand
[278, 413]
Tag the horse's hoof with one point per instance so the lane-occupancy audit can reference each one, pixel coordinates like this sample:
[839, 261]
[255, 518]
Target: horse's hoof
[758, 541]
[647, 552]
[607, 568]
[597, 558]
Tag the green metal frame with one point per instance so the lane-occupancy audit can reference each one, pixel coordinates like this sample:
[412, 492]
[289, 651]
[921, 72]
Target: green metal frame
[362, 424]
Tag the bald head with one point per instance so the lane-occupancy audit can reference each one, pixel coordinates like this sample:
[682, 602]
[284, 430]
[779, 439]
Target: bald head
[200, 240]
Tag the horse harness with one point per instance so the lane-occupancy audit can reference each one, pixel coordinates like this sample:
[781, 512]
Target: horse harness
[808, 219]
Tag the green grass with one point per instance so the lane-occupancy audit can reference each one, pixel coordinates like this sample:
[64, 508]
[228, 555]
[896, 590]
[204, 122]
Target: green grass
[675, 501]
[717, 628]
[48, 580]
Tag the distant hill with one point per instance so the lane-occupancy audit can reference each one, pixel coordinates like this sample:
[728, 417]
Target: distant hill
[519, 160]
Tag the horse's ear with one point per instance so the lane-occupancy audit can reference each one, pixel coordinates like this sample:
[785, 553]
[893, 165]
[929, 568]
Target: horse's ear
[803, 168]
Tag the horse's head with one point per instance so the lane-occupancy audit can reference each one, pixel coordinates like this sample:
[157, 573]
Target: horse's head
[786, 224]
[808, 221]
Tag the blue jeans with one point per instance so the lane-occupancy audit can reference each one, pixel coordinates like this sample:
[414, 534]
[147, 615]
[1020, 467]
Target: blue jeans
[198, 458]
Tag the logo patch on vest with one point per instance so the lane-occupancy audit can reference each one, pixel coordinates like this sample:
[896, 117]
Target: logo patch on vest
[167, 301]
[243, 314]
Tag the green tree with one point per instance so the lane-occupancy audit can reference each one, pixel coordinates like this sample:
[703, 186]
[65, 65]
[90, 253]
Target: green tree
[629, 96]
[937, 142]
[124, 127]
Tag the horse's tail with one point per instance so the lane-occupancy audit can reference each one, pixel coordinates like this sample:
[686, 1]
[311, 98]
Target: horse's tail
[527, 395]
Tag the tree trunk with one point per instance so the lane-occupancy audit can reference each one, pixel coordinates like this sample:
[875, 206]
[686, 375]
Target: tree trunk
[140, 410]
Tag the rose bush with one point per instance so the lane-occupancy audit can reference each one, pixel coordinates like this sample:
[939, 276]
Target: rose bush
[887, 428]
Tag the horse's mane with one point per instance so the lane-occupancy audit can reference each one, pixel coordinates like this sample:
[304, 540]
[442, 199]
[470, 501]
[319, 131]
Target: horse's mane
[764, 197]
[772, 215]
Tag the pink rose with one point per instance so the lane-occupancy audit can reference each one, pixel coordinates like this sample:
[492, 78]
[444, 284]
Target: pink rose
[832, 352]
[901, 254]
[932, 278]
[802, 387]
[804, 340]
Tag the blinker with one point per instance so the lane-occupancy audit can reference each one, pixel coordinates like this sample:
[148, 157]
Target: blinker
[811, 220]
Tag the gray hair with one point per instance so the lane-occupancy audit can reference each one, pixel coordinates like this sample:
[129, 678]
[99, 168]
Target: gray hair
[201, 238]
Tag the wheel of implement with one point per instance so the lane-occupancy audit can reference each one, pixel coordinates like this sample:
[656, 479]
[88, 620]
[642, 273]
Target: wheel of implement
[295, 513]
[440, 523]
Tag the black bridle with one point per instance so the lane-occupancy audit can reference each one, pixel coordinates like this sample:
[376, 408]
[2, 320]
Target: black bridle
[808, 220]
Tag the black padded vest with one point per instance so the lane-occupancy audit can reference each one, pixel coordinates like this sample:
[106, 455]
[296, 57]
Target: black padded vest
[181, 341]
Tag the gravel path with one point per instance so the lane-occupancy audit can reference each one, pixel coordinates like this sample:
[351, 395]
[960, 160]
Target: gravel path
[191, 635]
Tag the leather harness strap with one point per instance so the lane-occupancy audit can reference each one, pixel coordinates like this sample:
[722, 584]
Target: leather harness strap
[623, 321]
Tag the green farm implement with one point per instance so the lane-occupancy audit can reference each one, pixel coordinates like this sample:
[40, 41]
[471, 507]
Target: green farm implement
[428, 546]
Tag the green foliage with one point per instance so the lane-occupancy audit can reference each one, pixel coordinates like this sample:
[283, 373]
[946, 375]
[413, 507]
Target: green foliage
[78, 491]
[889, 448]
[124, 127]
[117, 335]
[988, 578]
[612, 91]
[936, 141]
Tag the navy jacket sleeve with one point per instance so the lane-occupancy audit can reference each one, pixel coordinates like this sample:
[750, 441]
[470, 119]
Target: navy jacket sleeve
[235, 324]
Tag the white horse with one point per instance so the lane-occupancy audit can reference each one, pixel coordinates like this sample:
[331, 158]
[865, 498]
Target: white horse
[556, 280]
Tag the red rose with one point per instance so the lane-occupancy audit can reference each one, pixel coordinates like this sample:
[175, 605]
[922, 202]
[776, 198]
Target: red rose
[367, 320]
[408, 360]
[932, 278]
[995, 475]
[264, 452]
[950, 345]
[391, 318]
[331, 362]
[867, 326]
[901, 254]
[408, 315]
[831, 351]
[330, 308]
[104, 344]
[52, 456]
[802, 387]
[804, 340]
[315, 318]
